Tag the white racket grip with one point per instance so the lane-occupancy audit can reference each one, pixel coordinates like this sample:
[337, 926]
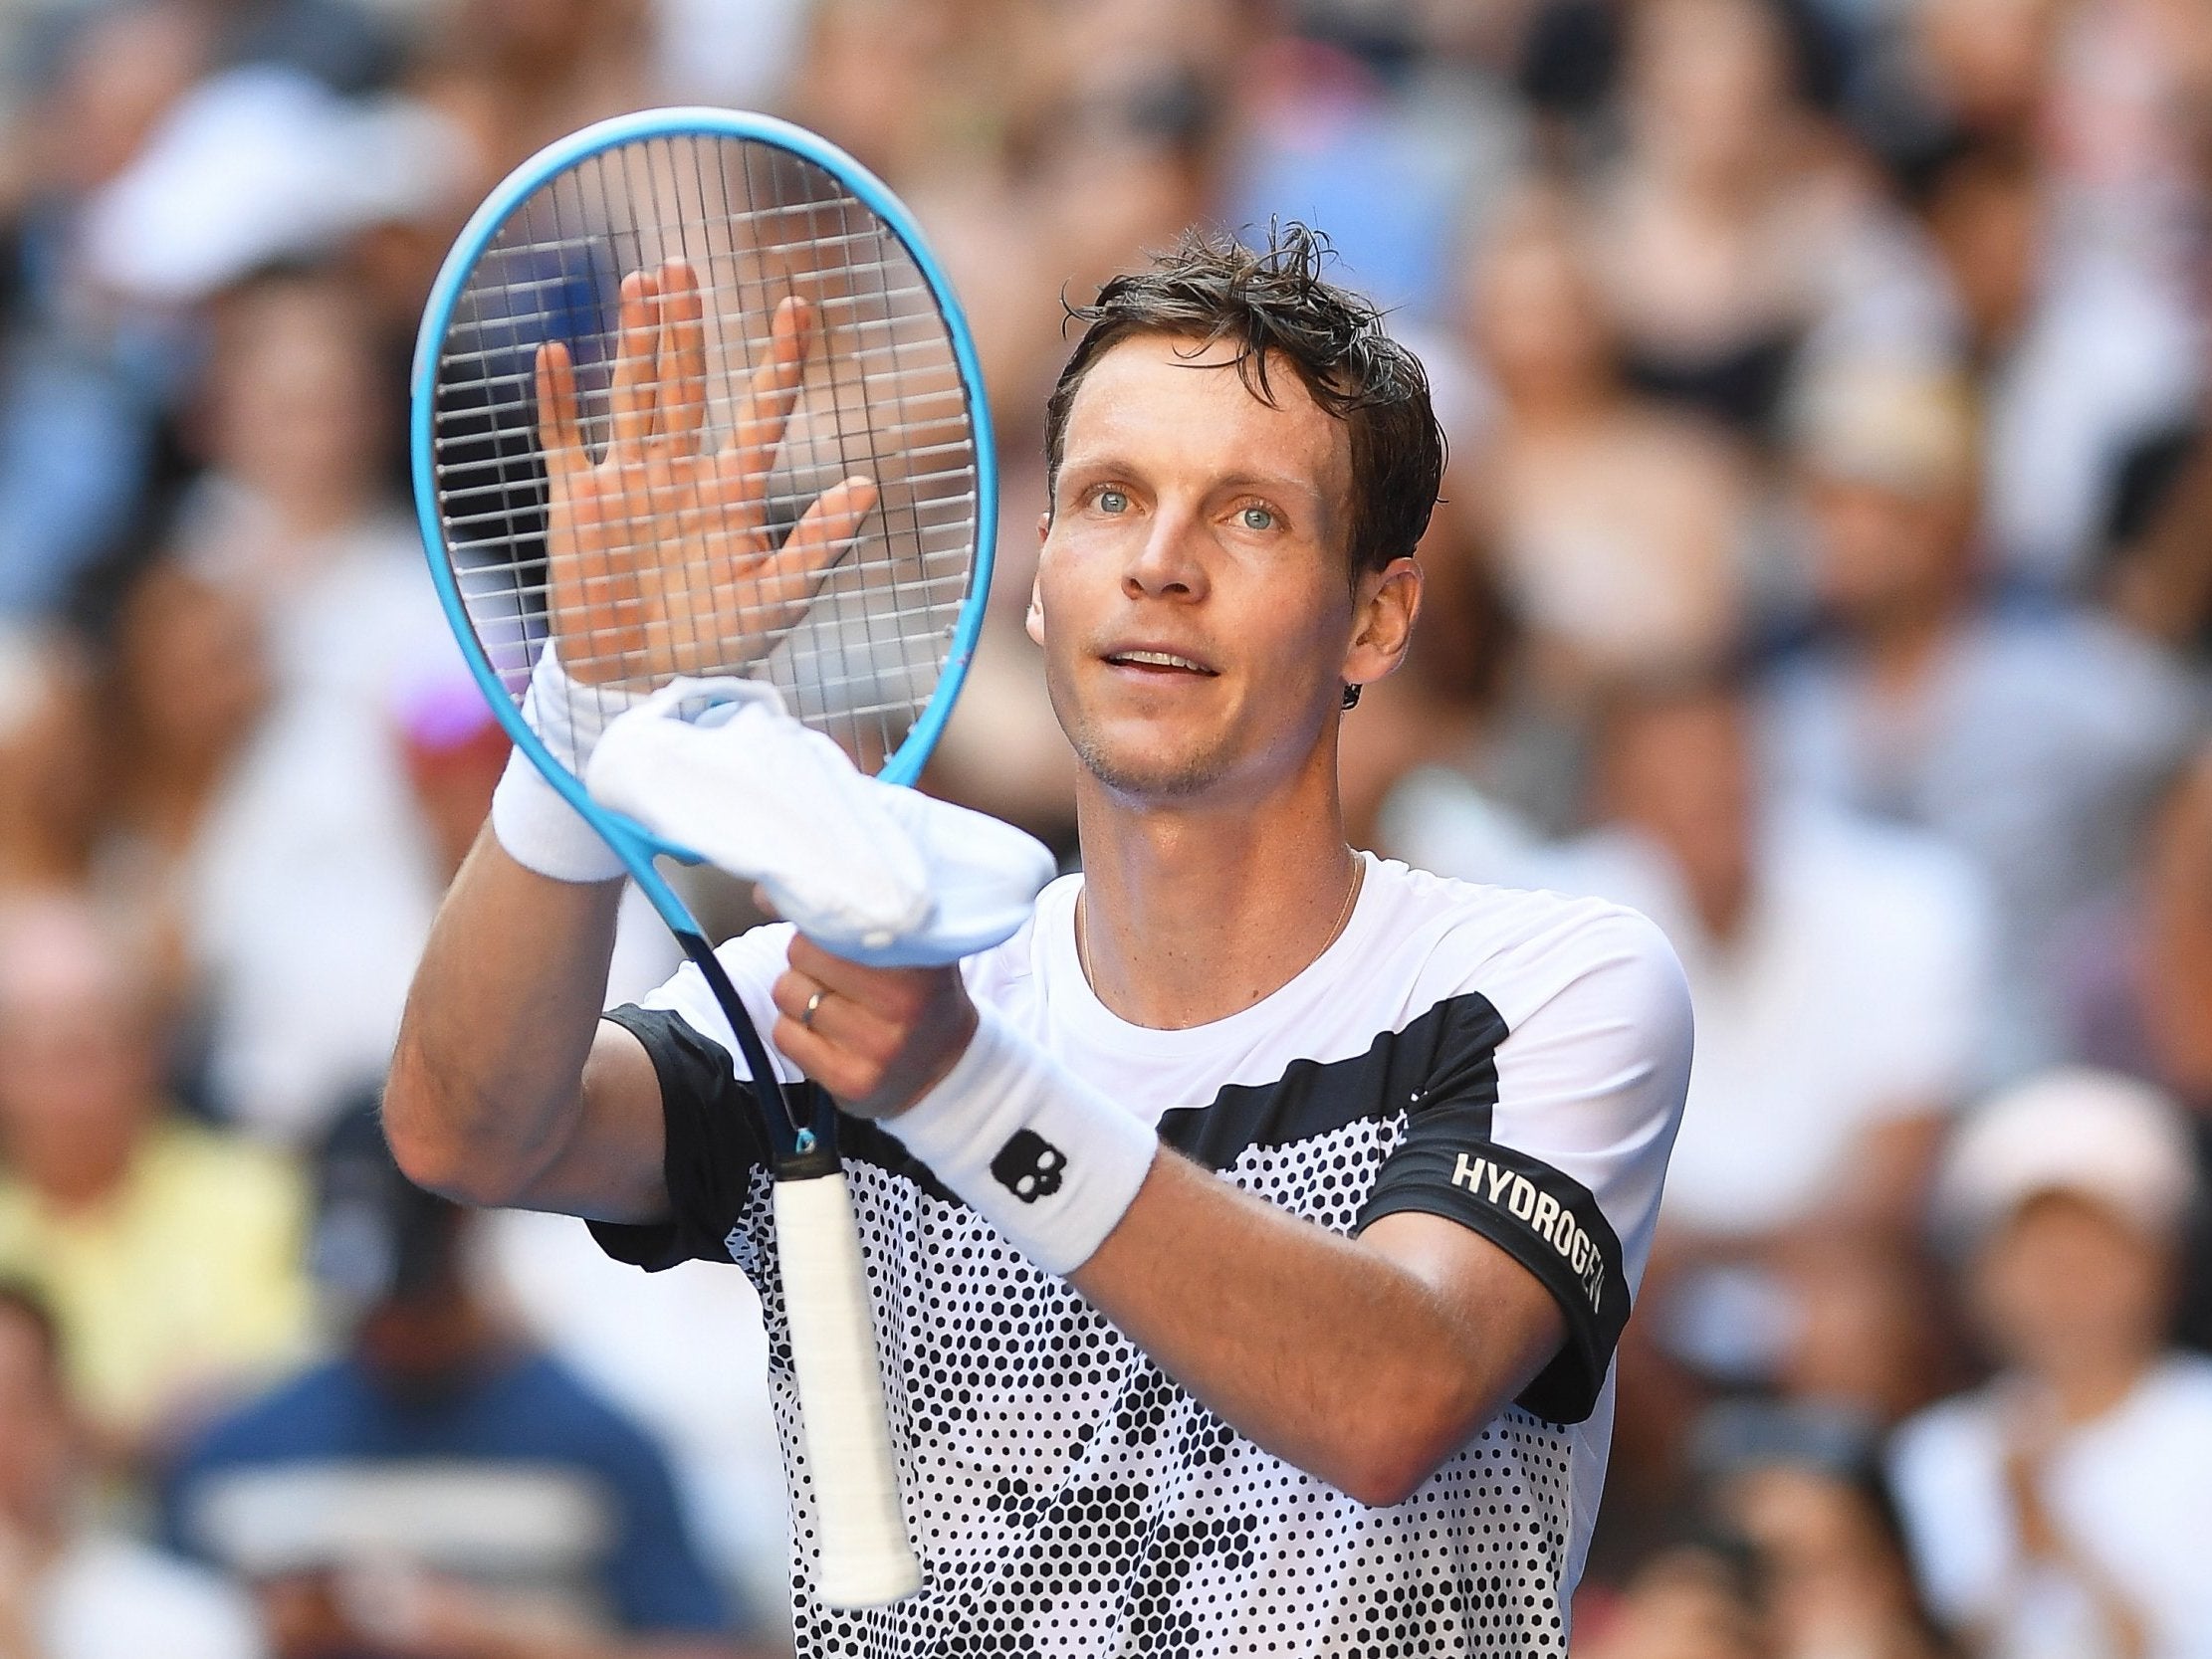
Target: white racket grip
[866, 1559]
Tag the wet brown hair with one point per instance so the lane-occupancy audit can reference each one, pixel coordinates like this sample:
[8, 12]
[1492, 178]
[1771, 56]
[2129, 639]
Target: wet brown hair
[1278, 308]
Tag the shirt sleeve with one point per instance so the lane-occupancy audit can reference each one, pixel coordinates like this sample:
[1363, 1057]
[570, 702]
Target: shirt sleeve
[1545, 1125]
[709, 1117]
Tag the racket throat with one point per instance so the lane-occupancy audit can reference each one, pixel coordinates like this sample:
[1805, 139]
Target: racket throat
[801, 1137]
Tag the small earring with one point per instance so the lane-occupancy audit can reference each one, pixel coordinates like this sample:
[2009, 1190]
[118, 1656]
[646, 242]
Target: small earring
[1351, 697]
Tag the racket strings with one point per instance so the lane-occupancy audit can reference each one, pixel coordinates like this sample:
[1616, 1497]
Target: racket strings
[682, 571]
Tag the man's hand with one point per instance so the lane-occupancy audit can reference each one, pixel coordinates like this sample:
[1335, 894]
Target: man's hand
[877, 1038]
[662, 559]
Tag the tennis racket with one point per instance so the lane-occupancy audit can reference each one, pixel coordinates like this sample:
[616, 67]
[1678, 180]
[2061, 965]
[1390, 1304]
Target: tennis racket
[691, 397]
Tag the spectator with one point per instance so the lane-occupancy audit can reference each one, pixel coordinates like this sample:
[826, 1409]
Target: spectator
[2142, 983]
[69, 1591]
[1803, 1489]
[1783, 1255]
[2061, 1508]
[1735, 232]
[1618, 524]
[1460, 698]
[83, 383]
[1864, 1327]
[1696, 1601]
[313, 876]
[440, 1490]
[2031, 739]
[2144, 968]
[2082, 348]
[1782, 914]
[47, 768]
[170, 1253]
[2158, 571]
[513, 75]
[453, 751]
[187, 688]
[714, 1413]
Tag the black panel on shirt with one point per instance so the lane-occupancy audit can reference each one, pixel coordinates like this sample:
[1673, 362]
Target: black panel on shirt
[714, 1146]
[1450, 1052]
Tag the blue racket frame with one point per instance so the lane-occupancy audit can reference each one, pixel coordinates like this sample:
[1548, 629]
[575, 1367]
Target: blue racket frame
[635, 845]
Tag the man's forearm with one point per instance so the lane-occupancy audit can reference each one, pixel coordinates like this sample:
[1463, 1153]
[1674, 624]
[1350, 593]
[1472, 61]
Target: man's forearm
[486, 1078]
[1366, 1362]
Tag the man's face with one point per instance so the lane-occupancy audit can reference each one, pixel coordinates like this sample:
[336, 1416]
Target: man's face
[77, 1072]
[1681, 772]
[1879, 552]
[2065, 1281]
[1193, 596]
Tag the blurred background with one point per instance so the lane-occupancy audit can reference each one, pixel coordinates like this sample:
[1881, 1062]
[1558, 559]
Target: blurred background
[1826, 569]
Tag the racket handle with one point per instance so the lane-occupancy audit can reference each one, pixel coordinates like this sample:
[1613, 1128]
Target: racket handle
[865, 1557]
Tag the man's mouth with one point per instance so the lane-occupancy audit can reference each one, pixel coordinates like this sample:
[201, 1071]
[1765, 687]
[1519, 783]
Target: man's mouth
[1160, 662]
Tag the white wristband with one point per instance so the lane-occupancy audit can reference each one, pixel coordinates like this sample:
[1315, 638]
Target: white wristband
[569, 714]
[539, 830]
[1040, 1155]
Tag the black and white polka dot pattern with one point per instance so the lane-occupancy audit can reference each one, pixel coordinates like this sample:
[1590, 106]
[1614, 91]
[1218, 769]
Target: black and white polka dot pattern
[1512, 1062]
[1069, 1499]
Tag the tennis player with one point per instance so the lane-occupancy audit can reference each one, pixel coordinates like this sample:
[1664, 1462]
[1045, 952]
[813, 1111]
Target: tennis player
[1250, 1234]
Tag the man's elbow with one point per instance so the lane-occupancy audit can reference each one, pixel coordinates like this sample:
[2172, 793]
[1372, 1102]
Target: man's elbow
[1396, 1449]
[422, 1128]
[1384, 1484]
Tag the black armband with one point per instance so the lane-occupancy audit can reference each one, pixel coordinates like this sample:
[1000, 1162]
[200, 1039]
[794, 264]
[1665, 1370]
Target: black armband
[1547, 1221]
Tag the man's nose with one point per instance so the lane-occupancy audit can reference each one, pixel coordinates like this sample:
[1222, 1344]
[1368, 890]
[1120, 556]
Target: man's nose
[1169, 564]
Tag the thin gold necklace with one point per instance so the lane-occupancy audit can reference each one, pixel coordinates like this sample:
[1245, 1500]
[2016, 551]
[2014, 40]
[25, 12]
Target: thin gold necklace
[1343, 920]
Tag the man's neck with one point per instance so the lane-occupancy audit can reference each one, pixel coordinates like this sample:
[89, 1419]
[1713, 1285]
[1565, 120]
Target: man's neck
[1902, 647]
[2089, 1388]
[1192, 914]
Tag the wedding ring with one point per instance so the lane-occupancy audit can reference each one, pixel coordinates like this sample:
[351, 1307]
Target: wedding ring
[813, 1006]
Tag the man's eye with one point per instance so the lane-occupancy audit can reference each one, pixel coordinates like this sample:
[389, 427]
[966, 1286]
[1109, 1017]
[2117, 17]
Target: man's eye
[1259, 518]
[1113, 500]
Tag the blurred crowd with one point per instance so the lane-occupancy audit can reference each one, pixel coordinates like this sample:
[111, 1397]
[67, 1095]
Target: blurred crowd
[1826, 569]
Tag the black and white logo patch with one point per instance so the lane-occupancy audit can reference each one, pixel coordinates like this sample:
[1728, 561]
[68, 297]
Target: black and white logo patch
[1028, 1166]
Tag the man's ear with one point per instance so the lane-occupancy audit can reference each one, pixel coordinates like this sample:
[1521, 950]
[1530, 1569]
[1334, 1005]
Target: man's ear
[1385, 606]
[1035, 621]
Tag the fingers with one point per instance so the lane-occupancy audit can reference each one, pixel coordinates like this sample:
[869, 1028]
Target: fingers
[839, 1042]
[636, 359]
[876, 1038]
[682, 380]
[823, 538]
[558, 436]
[770, 394]
[887, 988]
[871, 1002]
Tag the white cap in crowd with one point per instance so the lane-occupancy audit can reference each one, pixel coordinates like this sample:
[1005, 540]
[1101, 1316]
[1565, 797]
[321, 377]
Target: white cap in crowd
[2113, 1140]
[263, 165]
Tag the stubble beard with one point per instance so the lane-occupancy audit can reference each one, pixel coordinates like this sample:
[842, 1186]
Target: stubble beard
[1154, 778]
[1137, 773]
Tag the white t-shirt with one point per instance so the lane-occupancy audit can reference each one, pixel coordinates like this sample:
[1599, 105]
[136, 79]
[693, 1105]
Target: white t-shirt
[2130, 1492]
[110, 1598]
[1512, 1061]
